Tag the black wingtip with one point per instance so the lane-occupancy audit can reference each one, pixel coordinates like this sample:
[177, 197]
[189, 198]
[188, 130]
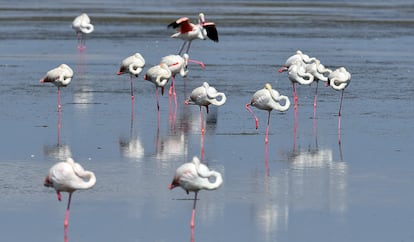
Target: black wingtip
[212, 32]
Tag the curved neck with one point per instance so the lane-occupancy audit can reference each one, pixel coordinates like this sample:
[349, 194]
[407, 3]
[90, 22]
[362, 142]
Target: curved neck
[135, 69]
[87, 28]
[90, 180]
[213, 185]
[284, 107]
[161, 81]
[220, 102]
[337, 86]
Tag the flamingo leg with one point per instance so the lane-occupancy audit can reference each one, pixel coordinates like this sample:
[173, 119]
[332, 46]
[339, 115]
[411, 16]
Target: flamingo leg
[156, 97]
[58, 126]
[79, 40]
[267, 129]
[202, 122]
[295, 96]
[193, 212]
[132, 88]
[254, 116]
[66, 222]
[188, 46]
[339, 117]
[314, 100]
[182, 48]
[59, 106]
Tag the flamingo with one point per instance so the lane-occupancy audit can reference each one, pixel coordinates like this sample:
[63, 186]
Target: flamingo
[267, 99]
[61, 76]
[68, 177]
[178, 64]
[132, 65]
[339, 79]
[188, 31]
[204, 96]
[319, 72]
[159, 75]
[297, 74]
[193, 177]
[82, 25]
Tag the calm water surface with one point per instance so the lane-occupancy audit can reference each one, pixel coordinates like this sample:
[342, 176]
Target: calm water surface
[309, 188]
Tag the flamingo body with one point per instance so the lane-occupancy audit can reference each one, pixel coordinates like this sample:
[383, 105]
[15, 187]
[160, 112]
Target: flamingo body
[68, 177]
[298, 56]
[188, 31]
[339, 79]
[176, 64]
[159, 75]
[60, 76]
[82, 25]
[206, 95]
[132, 65]
[267, 99]
[193, 177]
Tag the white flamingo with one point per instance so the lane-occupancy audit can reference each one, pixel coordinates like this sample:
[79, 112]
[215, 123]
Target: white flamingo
[82, 25]
[68, 177]
[60, 76]
[339, 79]
[268, 99]
[193, 177]
[132, 65]
[159, 75]
[297, 74]
[188, 31]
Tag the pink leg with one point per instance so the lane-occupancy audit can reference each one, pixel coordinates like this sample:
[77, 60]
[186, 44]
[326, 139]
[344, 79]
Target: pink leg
[132, 87]
[254, 116]
[59, 106]
[267, 158]
[295, 97]
[59, 196]
[314, 100]
[156, 97]
[193, 212]
[59, 126]
[202, 122]
[339, 117]
[267, 129]
[79, 41]
[66, 222]
[198, 62]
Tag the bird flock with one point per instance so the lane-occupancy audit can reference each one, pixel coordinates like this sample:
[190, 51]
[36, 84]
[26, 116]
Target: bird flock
[192, 176]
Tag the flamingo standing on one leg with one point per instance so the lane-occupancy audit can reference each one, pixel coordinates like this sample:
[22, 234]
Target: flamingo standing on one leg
[319, 73]
[188, 31]
[132, 65]
[60, 76]
[82, 25]
[193, 177]
[159, 75]
[339, 80]
[267, 99]
[68, 177]
[204, 96]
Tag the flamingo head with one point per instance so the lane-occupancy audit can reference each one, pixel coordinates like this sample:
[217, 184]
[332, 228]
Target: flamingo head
[47, 182]
[174, 184]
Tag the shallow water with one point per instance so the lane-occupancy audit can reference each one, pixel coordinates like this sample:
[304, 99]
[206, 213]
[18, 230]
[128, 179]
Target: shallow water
[309, 189]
